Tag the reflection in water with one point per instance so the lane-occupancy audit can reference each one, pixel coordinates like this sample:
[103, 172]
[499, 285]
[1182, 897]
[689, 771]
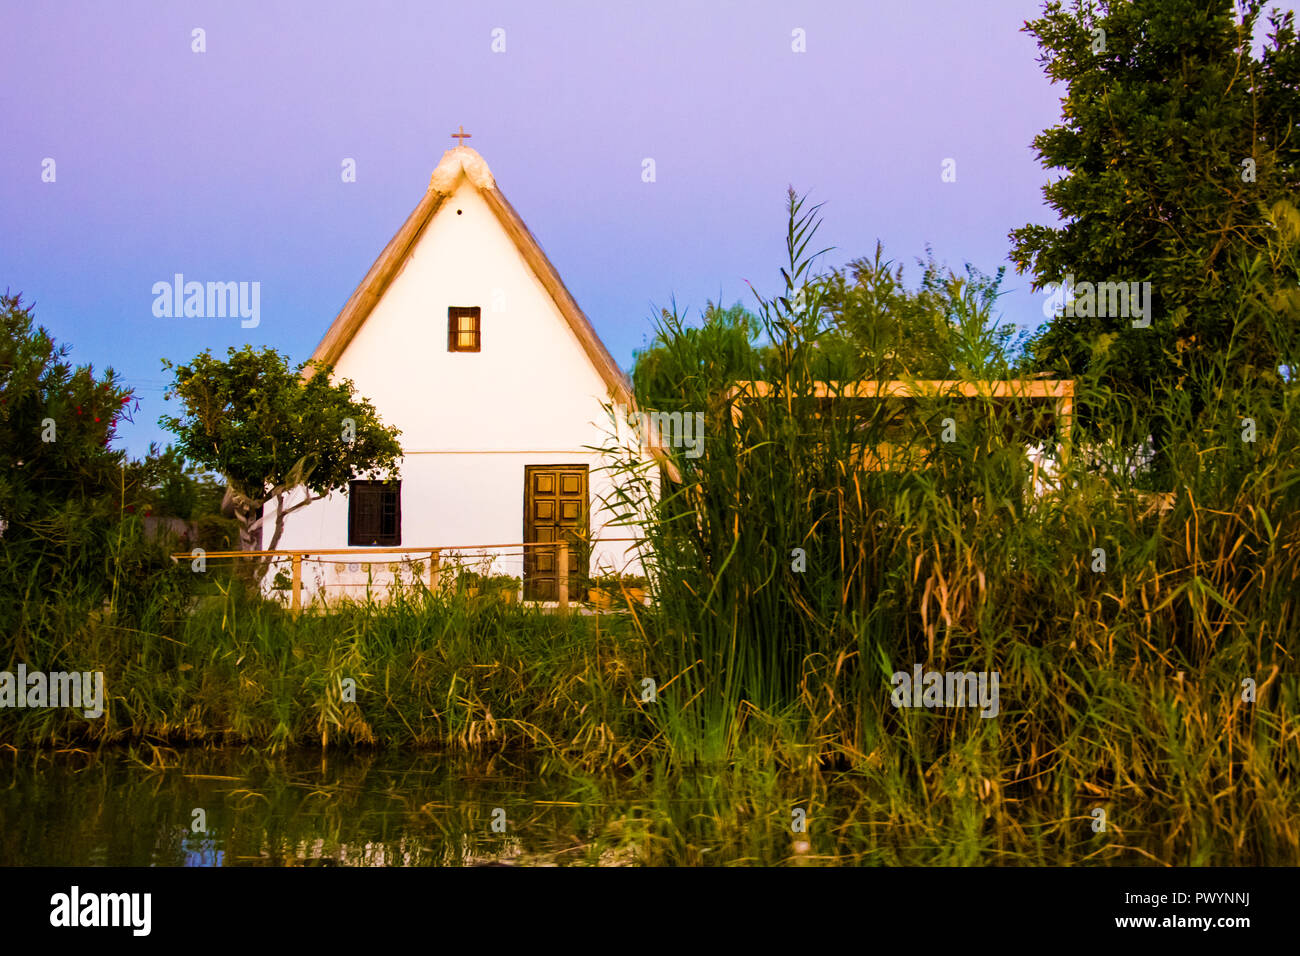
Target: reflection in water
[242, 808]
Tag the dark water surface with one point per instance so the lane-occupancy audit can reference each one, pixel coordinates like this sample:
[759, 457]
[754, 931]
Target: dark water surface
[236, 807]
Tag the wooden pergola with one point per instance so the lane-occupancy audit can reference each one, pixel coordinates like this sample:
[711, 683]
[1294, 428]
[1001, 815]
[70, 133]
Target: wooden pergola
[1059, 393]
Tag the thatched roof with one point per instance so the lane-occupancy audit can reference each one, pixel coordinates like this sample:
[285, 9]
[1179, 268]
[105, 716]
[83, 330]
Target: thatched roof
[457, 163]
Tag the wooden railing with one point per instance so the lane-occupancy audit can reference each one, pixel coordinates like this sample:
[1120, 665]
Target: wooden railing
[296, 556]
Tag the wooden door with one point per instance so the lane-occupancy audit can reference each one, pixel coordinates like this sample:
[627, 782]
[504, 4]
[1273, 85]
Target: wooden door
[555, 508]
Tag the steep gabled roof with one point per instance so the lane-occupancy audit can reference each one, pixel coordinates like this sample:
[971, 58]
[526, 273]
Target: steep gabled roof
[461, 161]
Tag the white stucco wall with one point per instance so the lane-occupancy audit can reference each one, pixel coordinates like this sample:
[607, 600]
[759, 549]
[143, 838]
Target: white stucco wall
[470, 421]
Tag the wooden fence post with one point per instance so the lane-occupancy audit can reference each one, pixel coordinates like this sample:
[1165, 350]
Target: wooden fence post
[562, 575]
[297, 584]
[435, 560]
[1065, 419]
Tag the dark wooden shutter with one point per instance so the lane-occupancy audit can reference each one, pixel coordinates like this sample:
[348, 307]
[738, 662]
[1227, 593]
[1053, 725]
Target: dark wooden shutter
[374, 513]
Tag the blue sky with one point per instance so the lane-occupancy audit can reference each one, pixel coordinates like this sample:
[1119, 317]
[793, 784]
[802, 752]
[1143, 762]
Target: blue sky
[225, 165]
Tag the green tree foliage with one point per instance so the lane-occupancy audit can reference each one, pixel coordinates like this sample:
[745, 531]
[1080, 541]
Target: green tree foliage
[271, 430]
[1174, 143]
[683, 364]
[880, 329]
[862, 322]
[172, 487]
[57, 469]
[71, 548]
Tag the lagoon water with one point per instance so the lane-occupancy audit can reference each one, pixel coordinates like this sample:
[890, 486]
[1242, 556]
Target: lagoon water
[237, 807]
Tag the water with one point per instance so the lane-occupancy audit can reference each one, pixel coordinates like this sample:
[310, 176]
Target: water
[238, 807]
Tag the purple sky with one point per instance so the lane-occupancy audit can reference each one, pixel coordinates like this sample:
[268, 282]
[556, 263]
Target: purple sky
[225, 165]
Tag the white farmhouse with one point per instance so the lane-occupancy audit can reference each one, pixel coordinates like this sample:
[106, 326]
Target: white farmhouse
[463, 335]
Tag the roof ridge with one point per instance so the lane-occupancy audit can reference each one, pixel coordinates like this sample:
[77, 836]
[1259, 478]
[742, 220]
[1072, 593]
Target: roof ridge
[458, 161]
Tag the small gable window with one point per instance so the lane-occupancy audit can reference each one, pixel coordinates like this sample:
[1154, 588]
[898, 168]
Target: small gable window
[374, 513]
[464, 329]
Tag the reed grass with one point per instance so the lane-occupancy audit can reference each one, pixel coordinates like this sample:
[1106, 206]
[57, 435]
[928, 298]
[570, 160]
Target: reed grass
[1120, 690]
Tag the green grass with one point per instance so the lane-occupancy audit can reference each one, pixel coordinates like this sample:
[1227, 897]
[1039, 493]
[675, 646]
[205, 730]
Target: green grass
[426, 672]
[1120, 690]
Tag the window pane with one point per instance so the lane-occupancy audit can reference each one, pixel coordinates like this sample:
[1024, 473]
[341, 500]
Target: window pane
[388, 517]
[464, 329]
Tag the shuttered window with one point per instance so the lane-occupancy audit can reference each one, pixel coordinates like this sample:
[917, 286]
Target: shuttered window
[374, 513]
[464, 329]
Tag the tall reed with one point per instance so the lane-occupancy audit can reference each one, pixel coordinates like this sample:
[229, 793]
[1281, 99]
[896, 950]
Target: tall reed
[792, 582]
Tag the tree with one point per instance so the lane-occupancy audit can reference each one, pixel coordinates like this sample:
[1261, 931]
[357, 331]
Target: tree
[871, 326]
[879, 329]
[270, 430]
[58, 473]
[172, 487]
[1175, 141]
[684, 365]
